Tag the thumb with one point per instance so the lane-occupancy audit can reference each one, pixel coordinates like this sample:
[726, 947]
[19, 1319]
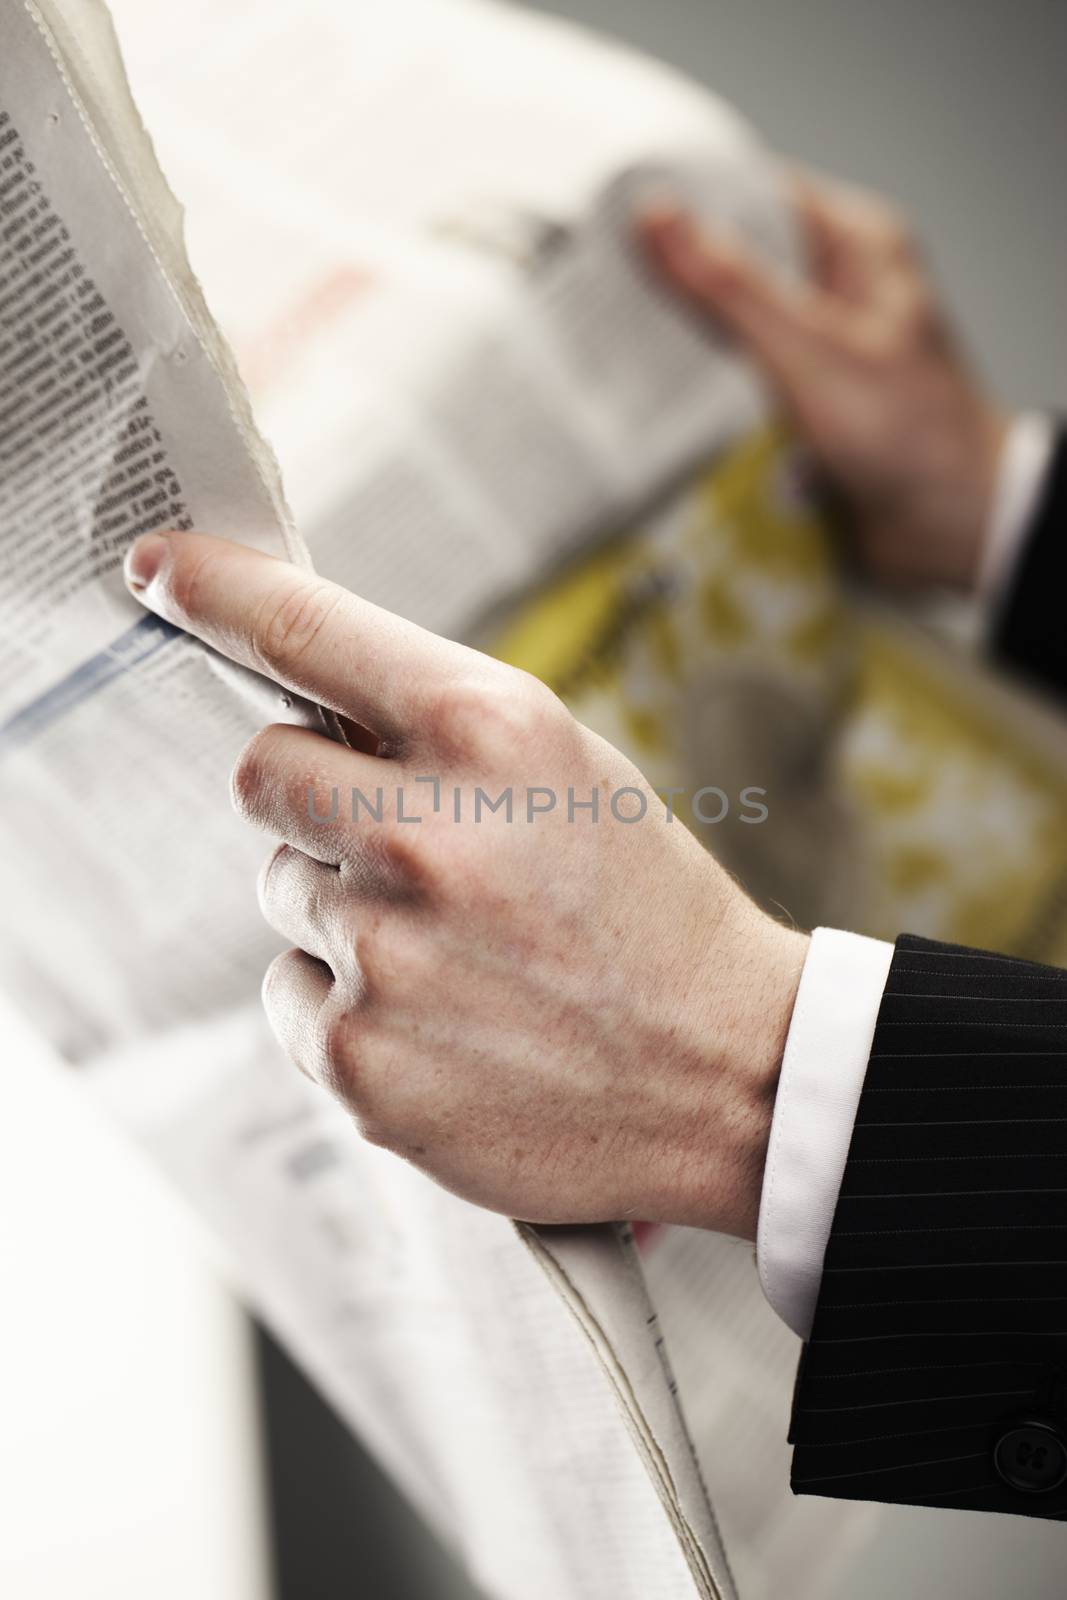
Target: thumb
[780, 323]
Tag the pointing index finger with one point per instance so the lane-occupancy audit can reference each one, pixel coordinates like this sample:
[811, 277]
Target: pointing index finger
[310, 635]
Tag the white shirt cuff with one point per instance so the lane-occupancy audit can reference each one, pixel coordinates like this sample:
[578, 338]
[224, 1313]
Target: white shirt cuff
[823, 1068]
[1021, 474]
[844, 978]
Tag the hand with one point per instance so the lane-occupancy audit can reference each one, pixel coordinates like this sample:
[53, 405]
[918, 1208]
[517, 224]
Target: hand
[563, 1020]
[867, 365]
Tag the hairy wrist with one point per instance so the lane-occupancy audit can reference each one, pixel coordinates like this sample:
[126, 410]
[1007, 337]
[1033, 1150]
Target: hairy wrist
[746, 1020]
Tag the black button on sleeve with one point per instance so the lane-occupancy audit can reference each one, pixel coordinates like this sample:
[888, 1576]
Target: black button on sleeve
[1031, 1457]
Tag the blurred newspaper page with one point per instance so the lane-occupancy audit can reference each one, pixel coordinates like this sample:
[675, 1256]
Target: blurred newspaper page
[430, 285]
[426, 1320]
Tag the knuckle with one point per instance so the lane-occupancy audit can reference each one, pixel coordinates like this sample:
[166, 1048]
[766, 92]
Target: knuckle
[406, 855]
[883, 220]
[493, 714]
[539, 703]
[288, 623]
[460, 715]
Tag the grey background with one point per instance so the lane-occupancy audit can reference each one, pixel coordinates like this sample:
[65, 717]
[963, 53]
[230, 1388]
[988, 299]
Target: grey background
[956, 108]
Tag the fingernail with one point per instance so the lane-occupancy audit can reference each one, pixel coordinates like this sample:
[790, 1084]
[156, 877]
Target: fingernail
[144, 559]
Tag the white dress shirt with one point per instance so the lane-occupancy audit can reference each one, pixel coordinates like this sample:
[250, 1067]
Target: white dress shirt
[841, 986]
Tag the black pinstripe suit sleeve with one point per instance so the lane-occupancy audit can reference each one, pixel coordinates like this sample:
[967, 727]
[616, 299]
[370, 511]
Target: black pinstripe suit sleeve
[936, 1369]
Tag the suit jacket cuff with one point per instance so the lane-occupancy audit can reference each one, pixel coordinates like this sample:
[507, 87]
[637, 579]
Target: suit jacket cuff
[936, 1368]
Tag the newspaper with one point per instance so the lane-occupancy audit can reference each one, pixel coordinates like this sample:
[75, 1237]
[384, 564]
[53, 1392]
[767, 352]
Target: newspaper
[499, 396]
[439, 267]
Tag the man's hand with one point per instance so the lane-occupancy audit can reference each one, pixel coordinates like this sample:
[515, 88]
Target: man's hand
[561, 1016]
[866, 363]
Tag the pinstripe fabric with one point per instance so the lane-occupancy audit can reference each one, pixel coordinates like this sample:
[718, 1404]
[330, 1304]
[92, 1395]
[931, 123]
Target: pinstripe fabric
[942, 1313]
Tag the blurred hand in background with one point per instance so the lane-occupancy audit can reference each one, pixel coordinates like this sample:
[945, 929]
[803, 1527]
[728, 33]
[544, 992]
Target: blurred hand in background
[866, 364]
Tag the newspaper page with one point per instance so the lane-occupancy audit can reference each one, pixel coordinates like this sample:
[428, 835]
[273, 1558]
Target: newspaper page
[439, 265]
[121, 412]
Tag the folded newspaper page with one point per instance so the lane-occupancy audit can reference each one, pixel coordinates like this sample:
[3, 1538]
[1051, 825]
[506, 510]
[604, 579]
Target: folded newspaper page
[520, 1394]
